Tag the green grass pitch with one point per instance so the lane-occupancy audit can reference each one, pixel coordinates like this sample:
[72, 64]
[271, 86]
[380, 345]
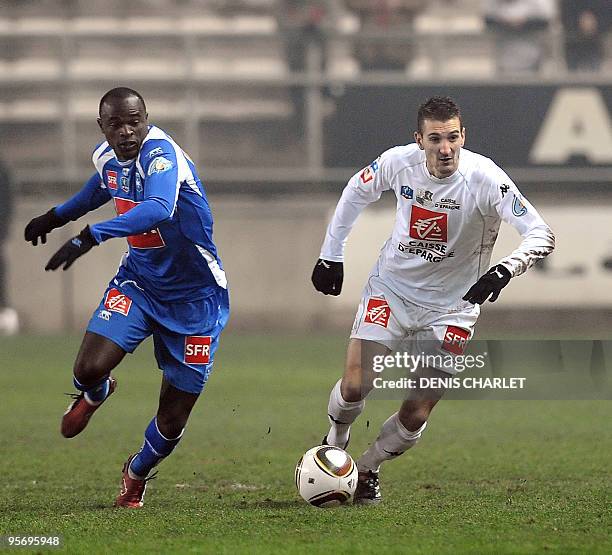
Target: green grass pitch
[487, 477]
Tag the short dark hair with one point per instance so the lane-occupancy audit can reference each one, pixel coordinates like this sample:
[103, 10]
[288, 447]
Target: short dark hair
[120, 93]
[439, 108]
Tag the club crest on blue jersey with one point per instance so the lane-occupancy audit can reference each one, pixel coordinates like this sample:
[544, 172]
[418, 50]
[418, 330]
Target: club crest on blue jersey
[407, 192]
[160, 165]
[518, 208]
[125, 184]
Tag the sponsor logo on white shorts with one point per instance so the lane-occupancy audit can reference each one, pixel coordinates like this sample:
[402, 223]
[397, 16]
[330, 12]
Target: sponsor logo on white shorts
[455, 340]
[378, 312]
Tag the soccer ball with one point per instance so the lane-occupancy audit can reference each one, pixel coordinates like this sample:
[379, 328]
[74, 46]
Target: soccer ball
[326, 476]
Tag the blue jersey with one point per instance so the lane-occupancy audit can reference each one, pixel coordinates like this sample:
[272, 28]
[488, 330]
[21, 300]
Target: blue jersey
[163, 211]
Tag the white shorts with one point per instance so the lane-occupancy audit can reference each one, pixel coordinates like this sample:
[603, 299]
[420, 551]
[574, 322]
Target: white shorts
[386, 318]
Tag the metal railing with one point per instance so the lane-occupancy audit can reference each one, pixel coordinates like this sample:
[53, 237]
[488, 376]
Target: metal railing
[190, 86]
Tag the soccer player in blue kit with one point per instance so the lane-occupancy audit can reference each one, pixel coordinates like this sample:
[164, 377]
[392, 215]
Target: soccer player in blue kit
[170, 284]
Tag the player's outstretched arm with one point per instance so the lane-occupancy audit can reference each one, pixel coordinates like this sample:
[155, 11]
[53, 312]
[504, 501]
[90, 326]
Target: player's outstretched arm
[90, 197]
[488, 285]
[503, 197]
[71, 250]
[161, 181]
[39, 227]
[362, 189]
[538, 239]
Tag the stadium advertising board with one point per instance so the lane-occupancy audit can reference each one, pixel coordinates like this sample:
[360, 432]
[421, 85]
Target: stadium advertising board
[518, 126]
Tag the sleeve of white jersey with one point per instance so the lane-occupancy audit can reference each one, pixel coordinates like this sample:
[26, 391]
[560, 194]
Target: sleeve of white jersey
[514, 209]
[362, 189]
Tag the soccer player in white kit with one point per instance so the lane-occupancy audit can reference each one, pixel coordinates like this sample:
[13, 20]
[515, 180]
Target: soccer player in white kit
[450, 203]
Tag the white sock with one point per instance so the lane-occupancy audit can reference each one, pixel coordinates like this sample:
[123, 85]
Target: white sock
[391, 442]
[341, 415]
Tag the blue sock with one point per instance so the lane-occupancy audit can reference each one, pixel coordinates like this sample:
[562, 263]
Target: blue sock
[94, 393]
[155, 448]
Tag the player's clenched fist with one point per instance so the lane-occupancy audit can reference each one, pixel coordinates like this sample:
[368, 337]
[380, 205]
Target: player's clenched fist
[41, 225]
[327, 277]
[489, 285]
[71, 250]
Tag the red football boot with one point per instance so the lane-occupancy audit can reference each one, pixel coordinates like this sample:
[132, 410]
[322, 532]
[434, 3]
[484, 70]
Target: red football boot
[132, 490]
[80, 411]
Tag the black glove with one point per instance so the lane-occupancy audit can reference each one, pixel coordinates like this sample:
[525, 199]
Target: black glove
[489, 284]
[41, 225]
[327, 277]
[71, 250]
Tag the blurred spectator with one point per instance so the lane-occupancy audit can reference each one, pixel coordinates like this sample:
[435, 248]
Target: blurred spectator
[9, 323]
[380, 17]
[520, 27]
[585, 23]
[301, 24]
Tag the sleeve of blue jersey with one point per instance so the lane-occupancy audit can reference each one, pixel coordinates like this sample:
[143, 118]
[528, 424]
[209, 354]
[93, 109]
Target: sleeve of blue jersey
[161, 188]
[91, 196]
[160, 166]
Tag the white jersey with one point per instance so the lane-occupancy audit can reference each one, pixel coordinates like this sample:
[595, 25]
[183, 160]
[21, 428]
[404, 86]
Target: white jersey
[444, 230]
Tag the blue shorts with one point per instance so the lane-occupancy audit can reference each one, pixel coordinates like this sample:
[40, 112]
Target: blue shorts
[186, 360]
